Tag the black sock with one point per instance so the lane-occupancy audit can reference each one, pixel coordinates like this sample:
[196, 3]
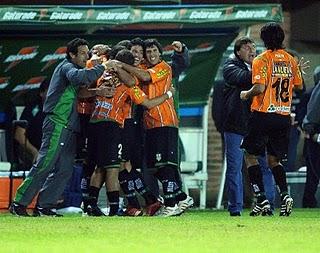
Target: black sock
[255, 176]
[166, 175]
[178, 177]
[180, 195]
[85, 185]
[279, 175]
[141, 187]
[128, 188]
[113, 198]
[93, 195]
[87, 171]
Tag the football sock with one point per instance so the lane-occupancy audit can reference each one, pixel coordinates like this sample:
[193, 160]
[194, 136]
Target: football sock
[127, 186]
[166, 175]
[280, 178]
[141, 187]
[180, 195]
[113, 198]
[87, 170]
[255, 176]
[178, 177]
[84, 185]
[93, 195]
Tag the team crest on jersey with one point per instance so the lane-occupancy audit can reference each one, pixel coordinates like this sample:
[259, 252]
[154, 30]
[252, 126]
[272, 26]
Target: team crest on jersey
[282, 69]
[158, 157]
[263, 72]
[162, 73]
[136, 92]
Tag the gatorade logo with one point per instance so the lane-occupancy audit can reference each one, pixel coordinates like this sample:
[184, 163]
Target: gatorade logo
[51, 59]
[32, 83]
[26, 53]
[4, 82]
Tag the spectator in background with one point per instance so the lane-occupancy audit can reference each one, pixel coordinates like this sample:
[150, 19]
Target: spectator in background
[310, 113]
[8, 113]
[29, 135]
[237, 75]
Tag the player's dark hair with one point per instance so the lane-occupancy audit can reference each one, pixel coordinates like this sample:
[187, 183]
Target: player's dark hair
[125, 56]
[272, 35]
[72, 46]
[126, 43]
[152, 42]
[114, 50]
[137, 42]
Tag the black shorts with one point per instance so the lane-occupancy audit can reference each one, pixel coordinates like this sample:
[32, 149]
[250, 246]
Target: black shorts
[132, 140]
[267, 132]
[104, 144]
[161, 147]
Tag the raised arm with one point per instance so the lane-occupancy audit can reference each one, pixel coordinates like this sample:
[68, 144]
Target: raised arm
[180, 58]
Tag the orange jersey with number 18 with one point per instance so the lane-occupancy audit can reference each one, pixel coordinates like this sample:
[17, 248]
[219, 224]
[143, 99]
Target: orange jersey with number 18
[279, 72]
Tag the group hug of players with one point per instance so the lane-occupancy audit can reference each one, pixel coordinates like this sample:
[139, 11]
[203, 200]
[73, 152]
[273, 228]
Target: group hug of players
[136, 76]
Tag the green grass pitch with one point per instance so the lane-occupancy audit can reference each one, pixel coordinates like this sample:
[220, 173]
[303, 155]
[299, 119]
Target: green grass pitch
[194, 231]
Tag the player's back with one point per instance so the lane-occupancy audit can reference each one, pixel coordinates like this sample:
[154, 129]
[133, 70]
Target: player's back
[278, 71]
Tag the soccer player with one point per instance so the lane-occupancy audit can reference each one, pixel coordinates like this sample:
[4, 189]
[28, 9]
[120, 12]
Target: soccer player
[54, 164]
[85, 107]
[131, 180]
[274, 74]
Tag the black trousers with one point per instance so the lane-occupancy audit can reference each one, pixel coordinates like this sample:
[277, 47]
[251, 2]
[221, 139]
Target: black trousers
[313, 173]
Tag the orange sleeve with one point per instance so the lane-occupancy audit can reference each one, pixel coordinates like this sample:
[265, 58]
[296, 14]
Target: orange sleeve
[259, 70]
[137, 95]
[159, 72]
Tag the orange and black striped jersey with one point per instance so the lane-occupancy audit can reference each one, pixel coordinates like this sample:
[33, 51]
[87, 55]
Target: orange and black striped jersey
[279, 72]
[161, 81]
[112, 108]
